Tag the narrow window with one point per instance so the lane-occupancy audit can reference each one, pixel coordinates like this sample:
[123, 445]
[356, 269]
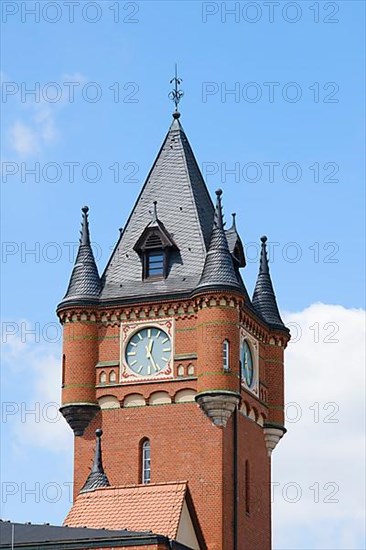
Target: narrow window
[63, 369]
[247, 487]
[155, 263]
[112, 376]
[146, 469]
[225, 355]
[103, 377]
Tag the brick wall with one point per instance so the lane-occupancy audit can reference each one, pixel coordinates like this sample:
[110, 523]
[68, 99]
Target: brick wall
[184, 443]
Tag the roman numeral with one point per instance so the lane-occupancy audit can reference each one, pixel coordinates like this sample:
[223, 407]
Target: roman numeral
[149, 332]
[165, 359]
[133, 344]
[139, 335]
[167, 349]
[165, 340]
[158, 333]
[131, 353]
[133, 362]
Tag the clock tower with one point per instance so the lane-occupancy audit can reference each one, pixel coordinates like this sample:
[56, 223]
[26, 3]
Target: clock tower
[168, 355]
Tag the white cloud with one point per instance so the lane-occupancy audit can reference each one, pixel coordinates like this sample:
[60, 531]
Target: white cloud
[36, 128]
[324, 446]
[23, 139]
[37, 365]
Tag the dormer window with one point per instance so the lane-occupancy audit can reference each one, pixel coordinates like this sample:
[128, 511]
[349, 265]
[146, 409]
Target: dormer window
[154, 247]
[155, 263]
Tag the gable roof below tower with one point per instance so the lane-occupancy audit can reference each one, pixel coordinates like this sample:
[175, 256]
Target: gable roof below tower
[163, 508]
[184, 207]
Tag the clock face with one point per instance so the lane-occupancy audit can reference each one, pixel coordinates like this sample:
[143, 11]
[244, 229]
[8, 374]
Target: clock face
[247, 367]
[148, 351]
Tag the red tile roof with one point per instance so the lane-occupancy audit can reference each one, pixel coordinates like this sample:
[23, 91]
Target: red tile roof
[154, 507]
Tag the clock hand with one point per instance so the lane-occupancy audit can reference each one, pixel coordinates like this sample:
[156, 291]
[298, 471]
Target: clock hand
[151, 343]
[149, 356]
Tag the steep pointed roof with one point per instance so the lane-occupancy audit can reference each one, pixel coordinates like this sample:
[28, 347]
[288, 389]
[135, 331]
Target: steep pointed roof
[187, 212]
[97, 478]
[84, 285]
[264, 298]
[219, 271]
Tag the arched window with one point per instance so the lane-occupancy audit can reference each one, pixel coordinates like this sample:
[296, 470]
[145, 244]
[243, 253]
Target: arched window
[225, 355]
[247, 487]
[146, 464]
[102, 377]
[112, 376]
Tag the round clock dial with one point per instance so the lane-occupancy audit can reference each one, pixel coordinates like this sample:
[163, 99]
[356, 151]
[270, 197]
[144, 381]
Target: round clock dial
[247, 367]
[148, 351]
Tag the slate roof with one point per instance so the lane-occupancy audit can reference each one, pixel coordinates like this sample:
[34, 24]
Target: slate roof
[219, 271]
[186, 210]
[25, 534]
[97, 477]
[84, 282]
[139, 507]
[264, 298]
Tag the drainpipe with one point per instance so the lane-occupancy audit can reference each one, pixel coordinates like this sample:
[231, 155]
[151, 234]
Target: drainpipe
[235, 467]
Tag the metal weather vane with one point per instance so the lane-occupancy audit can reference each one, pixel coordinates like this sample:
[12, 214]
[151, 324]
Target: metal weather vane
[176, 94]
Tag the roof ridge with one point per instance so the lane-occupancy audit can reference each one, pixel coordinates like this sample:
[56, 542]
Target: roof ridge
[190, 188]
[139, 486]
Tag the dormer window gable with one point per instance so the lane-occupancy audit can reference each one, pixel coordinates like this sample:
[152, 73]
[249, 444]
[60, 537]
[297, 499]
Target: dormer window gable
[235, 245]
[154, 247]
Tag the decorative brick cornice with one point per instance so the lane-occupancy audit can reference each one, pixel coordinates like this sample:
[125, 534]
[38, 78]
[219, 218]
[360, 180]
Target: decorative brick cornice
[181, 308]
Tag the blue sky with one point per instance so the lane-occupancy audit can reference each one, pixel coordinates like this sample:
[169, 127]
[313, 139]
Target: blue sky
[310, 132]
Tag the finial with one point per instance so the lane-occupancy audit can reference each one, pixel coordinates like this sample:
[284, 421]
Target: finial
[84, 233]
[218, 213]
[176, 94]
[263, 266]
[97, 464]
[234, 220]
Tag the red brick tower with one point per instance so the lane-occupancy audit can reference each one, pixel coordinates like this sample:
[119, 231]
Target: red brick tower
[184, 372]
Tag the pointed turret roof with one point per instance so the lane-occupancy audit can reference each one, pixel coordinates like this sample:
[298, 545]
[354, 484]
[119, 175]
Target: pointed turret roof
[264, 298]
[97, 478]
[185, 210]
[219, 271]
[84, 285]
